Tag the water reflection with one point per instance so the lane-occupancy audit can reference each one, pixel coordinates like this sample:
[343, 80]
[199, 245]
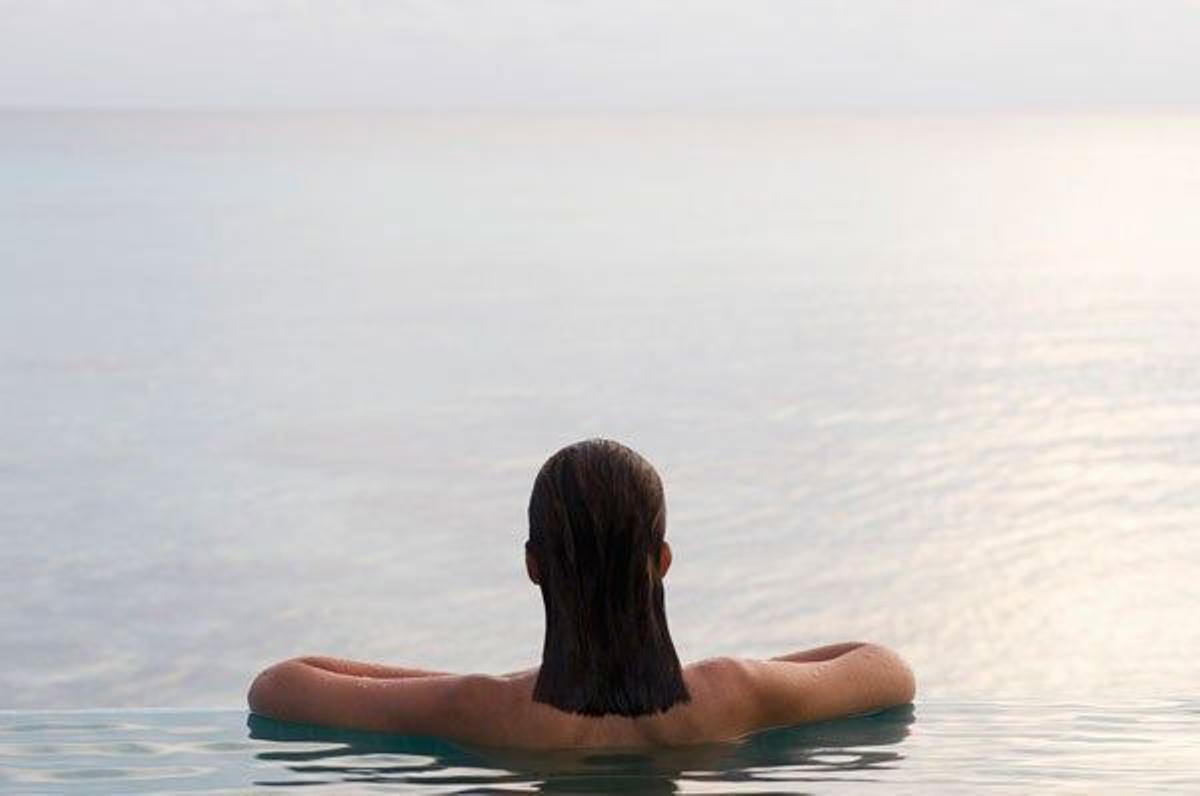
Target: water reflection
[846, 750]
[1018, 747]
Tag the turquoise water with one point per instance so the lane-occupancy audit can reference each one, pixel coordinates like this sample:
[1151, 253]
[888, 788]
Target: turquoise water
[934, 747]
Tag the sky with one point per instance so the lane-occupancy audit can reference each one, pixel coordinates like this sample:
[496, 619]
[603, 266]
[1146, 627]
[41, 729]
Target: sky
[776, 55]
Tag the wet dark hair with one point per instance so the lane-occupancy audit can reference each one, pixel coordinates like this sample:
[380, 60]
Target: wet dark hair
[597, 517]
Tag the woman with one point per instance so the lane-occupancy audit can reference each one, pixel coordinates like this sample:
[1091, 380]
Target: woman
[609, 675]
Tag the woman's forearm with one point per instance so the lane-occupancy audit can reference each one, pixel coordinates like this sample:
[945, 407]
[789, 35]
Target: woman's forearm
[826, 653]
[364, 669]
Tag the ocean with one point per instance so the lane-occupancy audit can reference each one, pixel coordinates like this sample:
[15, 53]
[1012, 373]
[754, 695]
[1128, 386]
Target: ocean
[278, 384]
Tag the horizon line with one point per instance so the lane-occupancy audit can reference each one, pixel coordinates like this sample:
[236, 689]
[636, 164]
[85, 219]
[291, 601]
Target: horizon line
[999, 109]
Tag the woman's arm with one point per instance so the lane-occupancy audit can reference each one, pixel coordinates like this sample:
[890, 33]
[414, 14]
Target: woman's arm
[821, 653]
[364, 669]
[324, 691]
[831, 682]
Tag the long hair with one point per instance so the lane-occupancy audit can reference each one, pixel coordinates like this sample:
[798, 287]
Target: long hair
[597, 517]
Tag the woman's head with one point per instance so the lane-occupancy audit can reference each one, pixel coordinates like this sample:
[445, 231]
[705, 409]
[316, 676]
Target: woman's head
[597, 518]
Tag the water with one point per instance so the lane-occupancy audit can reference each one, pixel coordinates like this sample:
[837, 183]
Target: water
[946, 747]
[275, 385]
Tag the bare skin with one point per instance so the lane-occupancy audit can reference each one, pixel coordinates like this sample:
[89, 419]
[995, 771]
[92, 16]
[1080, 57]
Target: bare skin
[730, 698]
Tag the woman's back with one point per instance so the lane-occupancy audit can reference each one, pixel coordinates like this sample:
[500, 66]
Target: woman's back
[507, 714]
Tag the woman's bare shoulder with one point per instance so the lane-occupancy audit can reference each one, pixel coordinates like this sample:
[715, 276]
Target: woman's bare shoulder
[722, 672]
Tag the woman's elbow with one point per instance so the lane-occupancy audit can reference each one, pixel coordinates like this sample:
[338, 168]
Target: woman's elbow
[900, 684]
[268, 693]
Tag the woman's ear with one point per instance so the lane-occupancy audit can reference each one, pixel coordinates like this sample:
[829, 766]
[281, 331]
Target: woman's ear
[531, 568]
[664, 559]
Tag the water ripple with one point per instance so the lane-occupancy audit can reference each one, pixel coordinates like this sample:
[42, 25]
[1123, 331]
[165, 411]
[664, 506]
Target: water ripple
[939, 746]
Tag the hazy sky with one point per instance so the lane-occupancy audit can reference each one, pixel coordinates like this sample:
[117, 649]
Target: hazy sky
[704, 54]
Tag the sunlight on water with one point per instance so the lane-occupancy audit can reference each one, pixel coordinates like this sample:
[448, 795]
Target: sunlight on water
[276, 385]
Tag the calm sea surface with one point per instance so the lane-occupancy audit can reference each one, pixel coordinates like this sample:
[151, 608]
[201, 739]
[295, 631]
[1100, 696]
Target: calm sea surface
[273, 385]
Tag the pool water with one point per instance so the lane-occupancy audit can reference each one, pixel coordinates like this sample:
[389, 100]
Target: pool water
[1148, 746]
